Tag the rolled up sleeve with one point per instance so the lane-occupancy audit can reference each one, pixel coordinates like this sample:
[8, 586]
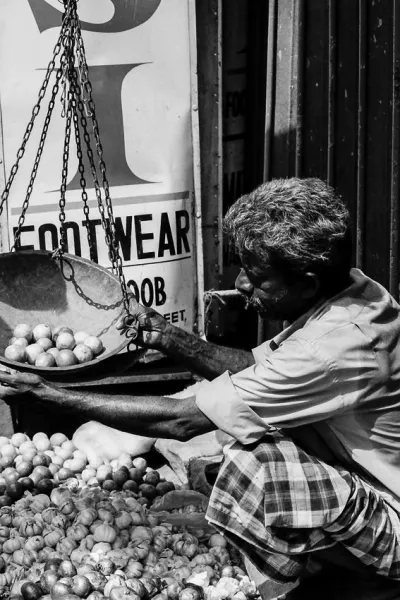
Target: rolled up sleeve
[291, 386]
[221, 403]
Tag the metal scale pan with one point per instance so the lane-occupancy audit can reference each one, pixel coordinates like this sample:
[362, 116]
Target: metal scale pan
[38, 287]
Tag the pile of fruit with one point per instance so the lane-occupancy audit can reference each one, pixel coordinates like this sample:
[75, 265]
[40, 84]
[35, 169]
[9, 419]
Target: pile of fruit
[96, 544]
[60, 347]
[70, 529]
[42, 463]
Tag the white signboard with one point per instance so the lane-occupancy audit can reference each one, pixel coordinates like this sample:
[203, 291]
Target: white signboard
[138, 53]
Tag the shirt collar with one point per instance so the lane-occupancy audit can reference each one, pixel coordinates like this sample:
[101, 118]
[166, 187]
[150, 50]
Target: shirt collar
[296, 325]
[357, 281]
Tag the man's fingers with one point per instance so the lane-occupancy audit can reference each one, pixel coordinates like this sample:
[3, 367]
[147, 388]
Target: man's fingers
[15, 379]
[6, 378]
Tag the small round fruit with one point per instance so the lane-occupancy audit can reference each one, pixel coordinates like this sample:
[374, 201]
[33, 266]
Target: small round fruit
[148, 491]
[47, 580]
[58, 438]
[46, 343]
[27, 483]
[17, 439]
[83, 353]
[54, 468]
[32, 352]
[15, 490]
[81, 586]
[94, 344]
[6, 461]
[61, 329]
[22, 330]
[80, 337]
[24, 468]
[45, 360]
[41, 460]
[120, 477]
[53, 352]
[64, 474]
[152, 477]
[109, 485]
[164, 487]
[41, 331]
[8, 450]
[5, 500]
[31, 591]
[67, 569]
[135, 474]
[65, 341]
[17, 353]
[140, 463]
[23, 342]
[130, 485]
[45, 486]
[66, 358]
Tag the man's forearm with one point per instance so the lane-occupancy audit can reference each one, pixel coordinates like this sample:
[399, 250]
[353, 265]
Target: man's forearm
[150, 416]
[203, 358]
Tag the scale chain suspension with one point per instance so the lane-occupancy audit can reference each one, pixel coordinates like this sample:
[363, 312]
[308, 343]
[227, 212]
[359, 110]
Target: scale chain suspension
[72, 75]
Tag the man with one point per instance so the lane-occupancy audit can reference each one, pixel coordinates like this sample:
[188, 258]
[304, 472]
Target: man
[314, 413]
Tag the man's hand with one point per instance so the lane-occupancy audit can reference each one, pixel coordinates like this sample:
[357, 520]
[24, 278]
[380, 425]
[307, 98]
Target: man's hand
[153, 328]
[13, 385]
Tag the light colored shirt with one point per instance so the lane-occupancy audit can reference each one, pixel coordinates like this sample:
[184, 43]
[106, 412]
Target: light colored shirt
[332, 377]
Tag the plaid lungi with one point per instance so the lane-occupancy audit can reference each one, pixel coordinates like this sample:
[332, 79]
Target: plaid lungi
[277, 504]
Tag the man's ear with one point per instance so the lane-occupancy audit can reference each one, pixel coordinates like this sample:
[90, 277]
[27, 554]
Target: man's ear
[311, 286]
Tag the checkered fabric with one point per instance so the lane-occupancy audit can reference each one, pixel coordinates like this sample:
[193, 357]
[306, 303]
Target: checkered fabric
[276, 503]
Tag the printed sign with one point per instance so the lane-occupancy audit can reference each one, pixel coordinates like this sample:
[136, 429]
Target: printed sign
[140, 70]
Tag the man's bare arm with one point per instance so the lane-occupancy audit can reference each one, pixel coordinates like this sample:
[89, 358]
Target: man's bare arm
[200, 357]
[150, 416]
[204, 358]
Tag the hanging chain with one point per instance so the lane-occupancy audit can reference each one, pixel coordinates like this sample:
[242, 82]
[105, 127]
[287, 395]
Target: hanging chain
[81, 169]
[69, 97]
[110, 230]
[36, 109]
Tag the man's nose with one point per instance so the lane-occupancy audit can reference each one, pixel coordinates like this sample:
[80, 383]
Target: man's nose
[243, 283]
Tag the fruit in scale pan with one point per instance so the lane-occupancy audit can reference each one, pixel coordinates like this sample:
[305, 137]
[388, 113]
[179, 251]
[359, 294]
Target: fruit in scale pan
[47, 348]
[41, 331]
[65, 341]
[94, 344]
[16, 353]
[83, 353]
[45, 360]
[66, 358]
[32, 352]
[80, 337]
[46, 343]
[14, 341]
[61, 329]
[23, 331]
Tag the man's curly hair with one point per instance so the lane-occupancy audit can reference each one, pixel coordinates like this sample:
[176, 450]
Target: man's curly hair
[295, 225]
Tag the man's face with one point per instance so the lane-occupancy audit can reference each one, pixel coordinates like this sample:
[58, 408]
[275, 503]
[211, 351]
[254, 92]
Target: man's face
[267, 291]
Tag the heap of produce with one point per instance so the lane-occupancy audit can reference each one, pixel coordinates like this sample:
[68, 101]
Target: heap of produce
[43, 347]
[91, 533]
[42, 463]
